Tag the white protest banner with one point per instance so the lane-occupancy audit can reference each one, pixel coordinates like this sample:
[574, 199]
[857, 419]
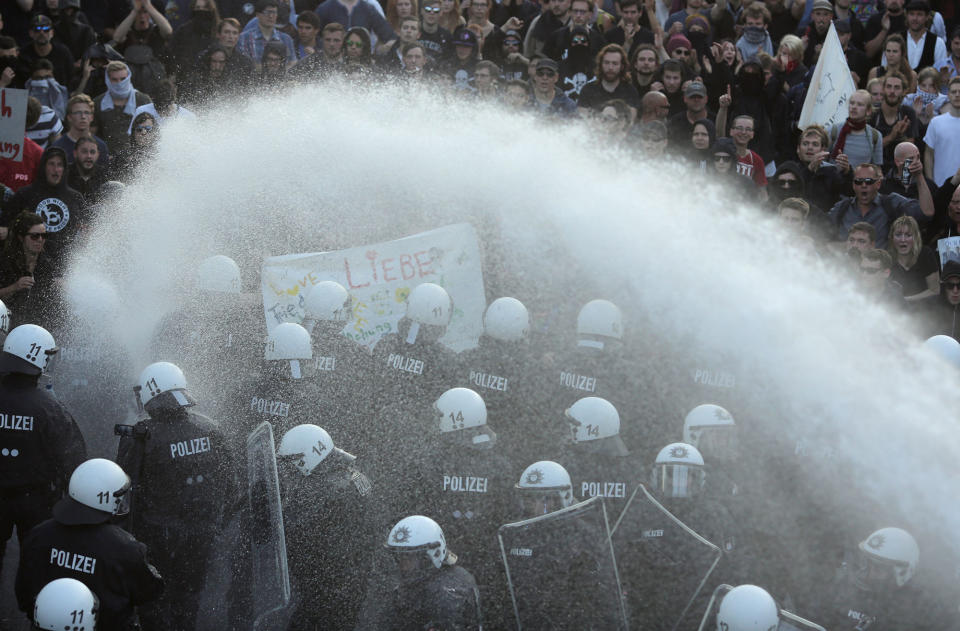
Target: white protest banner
[13, 121]
[949, 250]
[379, 277]
[830, 87]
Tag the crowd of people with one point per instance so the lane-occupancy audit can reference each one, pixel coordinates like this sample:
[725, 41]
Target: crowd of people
[719, 87]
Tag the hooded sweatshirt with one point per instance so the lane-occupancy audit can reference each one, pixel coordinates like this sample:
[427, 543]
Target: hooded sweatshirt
[945, 317]
[60, 206]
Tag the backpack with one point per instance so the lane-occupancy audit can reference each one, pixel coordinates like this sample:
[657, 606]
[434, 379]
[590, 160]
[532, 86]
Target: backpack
[146, 71]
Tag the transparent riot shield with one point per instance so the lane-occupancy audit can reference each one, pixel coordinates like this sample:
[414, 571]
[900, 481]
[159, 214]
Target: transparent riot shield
[270, 579]
[788, 621]
[561, 570]
[664, 565]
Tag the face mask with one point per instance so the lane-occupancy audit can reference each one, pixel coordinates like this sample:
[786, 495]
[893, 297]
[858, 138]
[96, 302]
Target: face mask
[120, 90]
[754, 34]
[698, 41]
[203, 17]
[751, 83]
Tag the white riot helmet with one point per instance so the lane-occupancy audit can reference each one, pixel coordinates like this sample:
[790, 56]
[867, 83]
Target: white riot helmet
[162, 385]
[289, 342]
[429, 304]
[596, 423]
[66, 603]
[419, 546]
[463, 410]
[327, 302]
[678, 471]
[944, 346]
[748, 608]
[27, 349]
[507, 320]
[98, 490]
[219, 273]
[544, 487]
[600, 318]
[4, 321]
[889, 559]
[308, 444]
[712, 430]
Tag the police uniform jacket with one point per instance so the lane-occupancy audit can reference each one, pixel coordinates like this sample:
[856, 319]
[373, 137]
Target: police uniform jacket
[39, 439]
[104, 557]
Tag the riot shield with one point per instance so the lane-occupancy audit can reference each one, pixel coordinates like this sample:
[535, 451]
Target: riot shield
[561, 570]
[268, 548]
[663, 563]
[788, 621]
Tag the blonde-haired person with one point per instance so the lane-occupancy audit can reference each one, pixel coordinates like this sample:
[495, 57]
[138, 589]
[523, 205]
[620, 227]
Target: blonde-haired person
[854, 141]
[915, 266]
[788, 63]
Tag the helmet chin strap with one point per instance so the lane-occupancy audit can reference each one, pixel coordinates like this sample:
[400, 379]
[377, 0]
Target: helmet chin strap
[412, 332]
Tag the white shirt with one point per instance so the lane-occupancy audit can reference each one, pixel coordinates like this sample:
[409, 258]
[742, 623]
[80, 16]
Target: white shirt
[942, 134]
[915, 49]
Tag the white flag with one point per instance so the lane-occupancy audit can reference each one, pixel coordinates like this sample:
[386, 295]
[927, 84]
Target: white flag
[831, 86]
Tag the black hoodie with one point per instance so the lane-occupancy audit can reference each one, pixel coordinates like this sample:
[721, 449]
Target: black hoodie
[944, 317]
[60, 206]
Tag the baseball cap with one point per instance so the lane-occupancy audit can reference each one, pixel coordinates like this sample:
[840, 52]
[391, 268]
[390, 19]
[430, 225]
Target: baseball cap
[40, 20]
[465, 37]
[548, 63]
[695, 88]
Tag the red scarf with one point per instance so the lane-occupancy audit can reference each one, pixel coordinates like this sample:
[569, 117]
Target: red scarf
[842, 136]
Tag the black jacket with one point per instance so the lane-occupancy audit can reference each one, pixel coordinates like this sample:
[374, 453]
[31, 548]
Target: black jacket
[104, 557]
[36, 425]
[60, 206]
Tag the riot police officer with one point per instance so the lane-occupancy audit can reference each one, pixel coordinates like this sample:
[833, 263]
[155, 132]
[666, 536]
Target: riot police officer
[66, 603]
[215, 336]
[502, 371]
[341, 367]
[80, 543]
[411, 368]
[597, 460]
[466, 484]
[40, 443]
[879, 590]
[426, 589]
[674, 545]
[285, 394]
[183, 475]
[599, 365]
[326, 511]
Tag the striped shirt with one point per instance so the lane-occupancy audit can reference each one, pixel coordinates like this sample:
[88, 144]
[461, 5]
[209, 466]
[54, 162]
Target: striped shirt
[47, 126]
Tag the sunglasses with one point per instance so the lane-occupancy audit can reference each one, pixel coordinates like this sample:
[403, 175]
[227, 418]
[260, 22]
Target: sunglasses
[36, 236]
[354, 44]
[511, 42]
[432, 9]
[42, 29]
[579, 40]
[722, 158]
[864, 180]
[144, 129]
[786, 183]
[545, 72]
[953, 286]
